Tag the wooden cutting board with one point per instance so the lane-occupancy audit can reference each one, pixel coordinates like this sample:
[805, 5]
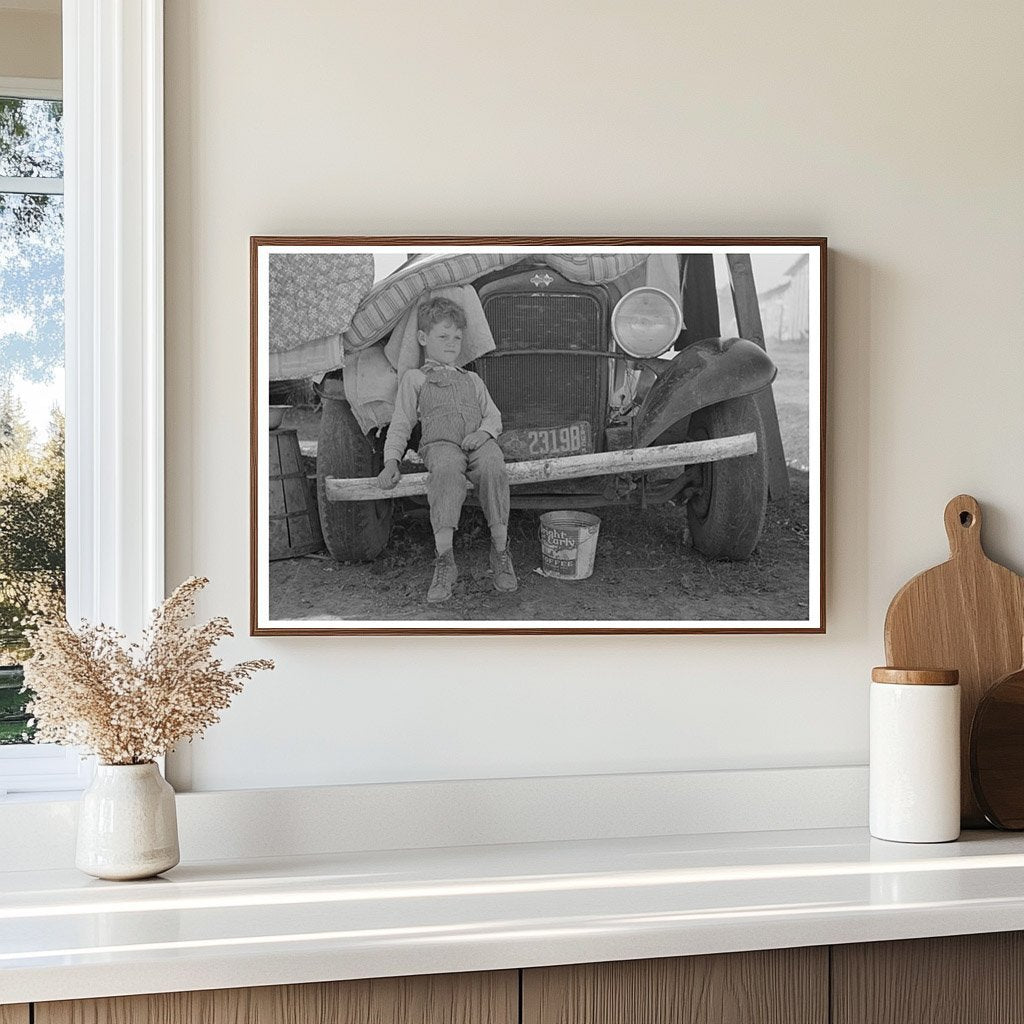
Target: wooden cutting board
[967, 614]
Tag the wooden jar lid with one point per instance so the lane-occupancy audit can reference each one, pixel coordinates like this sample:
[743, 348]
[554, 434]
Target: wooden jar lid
[916, 676]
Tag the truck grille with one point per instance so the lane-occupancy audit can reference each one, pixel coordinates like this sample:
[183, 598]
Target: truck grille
[547, 390]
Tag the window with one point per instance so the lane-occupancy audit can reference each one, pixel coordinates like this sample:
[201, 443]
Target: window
[32, 545]
[113, 329]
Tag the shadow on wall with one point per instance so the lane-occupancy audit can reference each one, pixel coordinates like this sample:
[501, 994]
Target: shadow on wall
[848, 420]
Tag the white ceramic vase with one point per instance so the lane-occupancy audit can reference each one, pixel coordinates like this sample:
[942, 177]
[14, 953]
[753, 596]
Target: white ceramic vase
[127, 825]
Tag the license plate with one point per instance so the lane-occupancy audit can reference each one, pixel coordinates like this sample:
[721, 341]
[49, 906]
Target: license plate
[546, 442]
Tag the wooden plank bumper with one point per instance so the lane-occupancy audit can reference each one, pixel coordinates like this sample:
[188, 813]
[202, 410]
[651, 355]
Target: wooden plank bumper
[567, 467]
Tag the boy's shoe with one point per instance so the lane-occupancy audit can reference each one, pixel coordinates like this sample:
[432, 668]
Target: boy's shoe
[445, 574]
[504, 574]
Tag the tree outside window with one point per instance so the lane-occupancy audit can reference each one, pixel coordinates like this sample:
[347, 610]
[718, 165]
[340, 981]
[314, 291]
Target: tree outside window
[32, 541]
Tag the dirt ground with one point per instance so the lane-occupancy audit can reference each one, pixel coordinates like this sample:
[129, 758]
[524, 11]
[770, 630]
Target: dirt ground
[645, 568]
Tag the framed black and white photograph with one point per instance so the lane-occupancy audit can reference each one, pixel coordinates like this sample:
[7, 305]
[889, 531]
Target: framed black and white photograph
[537, 435]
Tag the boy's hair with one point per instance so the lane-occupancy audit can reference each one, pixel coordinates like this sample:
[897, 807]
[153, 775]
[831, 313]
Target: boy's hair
[436, 311]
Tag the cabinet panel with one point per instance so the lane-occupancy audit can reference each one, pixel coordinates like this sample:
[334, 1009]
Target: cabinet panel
[960, 979]
[14, 1014]
[482, 998]
[777, 986]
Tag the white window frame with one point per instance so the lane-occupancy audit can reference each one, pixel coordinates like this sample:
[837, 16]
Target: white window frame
[114, 325]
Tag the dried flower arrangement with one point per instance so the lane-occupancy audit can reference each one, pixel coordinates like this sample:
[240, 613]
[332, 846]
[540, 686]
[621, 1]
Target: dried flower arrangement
[129, 704]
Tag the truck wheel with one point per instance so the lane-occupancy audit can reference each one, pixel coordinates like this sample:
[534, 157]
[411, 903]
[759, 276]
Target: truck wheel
[354, 531]
[726, 513]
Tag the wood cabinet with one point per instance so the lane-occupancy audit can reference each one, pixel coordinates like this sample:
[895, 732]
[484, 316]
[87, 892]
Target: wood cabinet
[961, 979]
[482, 998]
[966, 979]
[775, 986]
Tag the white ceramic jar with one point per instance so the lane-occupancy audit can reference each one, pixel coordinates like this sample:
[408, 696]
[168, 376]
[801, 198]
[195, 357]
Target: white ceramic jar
[127, 823]
[915, 755]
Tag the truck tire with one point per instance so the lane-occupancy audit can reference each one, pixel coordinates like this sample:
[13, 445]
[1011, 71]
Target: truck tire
[354, 531]
[727, 512]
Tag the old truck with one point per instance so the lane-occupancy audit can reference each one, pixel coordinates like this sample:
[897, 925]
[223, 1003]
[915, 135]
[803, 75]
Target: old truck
[611, 393]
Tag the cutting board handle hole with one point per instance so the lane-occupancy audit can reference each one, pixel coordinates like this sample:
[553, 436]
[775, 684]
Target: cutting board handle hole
[962, 518]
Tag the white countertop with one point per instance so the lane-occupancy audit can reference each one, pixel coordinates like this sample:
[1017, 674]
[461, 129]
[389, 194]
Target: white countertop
[227, 924]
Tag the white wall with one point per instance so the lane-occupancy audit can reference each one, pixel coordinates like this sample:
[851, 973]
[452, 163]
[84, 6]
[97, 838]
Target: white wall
[895, 129]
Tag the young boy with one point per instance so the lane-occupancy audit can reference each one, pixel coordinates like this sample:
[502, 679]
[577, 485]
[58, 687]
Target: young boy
[460, 424]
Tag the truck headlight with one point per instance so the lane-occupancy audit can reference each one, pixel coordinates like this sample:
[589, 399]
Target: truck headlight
[645, 322]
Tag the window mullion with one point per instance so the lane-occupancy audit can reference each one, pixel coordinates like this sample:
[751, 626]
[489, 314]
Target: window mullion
[32, 186]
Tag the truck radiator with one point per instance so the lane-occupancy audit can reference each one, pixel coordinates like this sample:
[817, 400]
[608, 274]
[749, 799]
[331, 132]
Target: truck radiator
[547, 390]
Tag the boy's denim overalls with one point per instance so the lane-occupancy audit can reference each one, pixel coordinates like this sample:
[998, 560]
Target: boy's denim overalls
[449, 411]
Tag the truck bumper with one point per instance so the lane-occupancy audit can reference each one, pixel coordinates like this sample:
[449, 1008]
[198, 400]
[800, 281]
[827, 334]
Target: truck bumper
[566, 467]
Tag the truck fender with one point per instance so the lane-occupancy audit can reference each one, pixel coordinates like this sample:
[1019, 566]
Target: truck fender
[703, 374]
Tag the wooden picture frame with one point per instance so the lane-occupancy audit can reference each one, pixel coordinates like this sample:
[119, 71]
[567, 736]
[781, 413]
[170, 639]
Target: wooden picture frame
[553, 305]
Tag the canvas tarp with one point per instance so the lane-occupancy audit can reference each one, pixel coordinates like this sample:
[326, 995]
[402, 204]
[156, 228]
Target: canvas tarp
[372, 368]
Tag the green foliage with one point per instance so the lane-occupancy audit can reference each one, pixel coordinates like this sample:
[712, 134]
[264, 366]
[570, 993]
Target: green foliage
[31, 524]
[14, 720]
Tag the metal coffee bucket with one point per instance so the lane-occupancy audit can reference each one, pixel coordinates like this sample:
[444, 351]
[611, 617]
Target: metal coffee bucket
[568, 543]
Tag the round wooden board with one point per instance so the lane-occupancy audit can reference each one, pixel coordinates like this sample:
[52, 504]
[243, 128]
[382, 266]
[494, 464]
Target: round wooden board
[997, 752]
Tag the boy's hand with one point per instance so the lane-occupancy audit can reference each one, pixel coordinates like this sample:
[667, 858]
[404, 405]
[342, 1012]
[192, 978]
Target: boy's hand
[389, 475]
[474, 440]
